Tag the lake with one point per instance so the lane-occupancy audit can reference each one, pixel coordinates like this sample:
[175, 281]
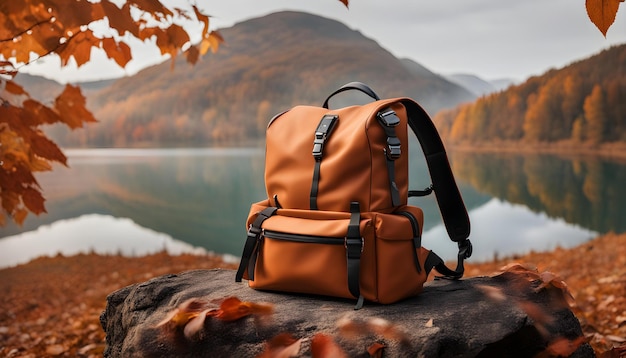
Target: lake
[138, 201]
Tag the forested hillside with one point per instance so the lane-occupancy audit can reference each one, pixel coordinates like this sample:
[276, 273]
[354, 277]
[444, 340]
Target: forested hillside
[584, 102]
[267, 65]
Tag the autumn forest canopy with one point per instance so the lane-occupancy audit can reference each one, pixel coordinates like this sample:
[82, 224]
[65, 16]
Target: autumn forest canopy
[583, 103]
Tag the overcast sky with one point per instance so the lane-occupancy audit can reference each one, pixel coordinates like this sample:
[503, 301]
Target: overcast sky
[492, 39]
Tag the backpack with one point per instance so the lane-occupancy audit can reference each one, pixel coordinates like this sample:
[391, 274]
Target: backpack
[336, 220]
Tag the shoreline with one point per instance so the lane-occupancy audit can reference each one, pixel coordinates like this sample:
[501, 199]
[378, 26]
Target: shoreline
[565, 149]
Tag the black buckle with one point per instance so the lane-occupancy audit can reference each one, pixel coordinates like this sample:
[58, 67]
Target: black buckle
[388, 118]
[394, 149]
[465, 249]
[350, 242]
[254, 232]
[321, 133]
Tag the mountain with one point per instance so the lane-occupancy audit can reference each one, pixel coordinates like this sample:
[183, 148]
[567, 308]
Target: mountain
[266, 66]
[477, 85]
[579, 105]
[473, 83]
[44, 90]
[39, 88]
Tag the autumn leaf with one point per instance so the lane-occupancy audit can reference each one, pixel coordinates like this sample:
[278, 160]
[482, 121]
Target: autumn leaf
[323, 346]
[118, 51]
[354, 327]
[283, 345]
[78, 46]
[345, 2]
[602, 13]
[210, 42]
[19, 216]
[186, 311]
[376, 350]
[195, 326]
[563, 347]
[14, 88]
[233, 309]
[70, 105]
[45, 148]
[33, 200]
[230, 309]
[31, 29]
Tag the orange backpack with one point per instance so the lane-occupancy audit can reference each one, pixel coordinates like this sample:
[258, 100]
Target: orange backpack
[336, 221]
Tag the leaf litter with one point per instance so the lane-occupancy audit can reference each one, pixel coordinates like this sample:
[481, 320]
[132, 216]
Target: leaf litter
[51, 306]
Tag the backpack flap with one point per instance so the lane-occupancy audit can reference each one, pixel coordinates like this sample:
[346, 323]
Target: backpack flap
[307, 168]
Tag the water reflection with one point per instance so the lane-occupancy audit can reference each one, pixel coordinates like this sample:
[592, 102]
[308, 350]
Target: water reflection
[587, 191]
[202, 197]
[85, 234]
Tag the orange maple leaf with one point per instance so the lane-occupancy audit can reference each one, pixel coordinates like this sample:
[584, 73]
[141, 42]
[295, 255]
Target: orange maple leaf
[602, 13]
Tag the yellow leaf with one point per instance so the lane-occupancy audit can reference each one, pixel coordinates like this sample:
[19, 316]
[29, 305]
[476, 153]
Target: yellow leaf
[212, 42]
[602, 13]
[19, 216]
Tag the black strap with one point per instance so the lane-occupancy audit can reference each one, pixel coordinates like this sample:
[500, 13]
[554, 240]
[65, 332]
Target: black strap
[453, 212]
[353, 86]
[248, 257]
[433, 260]
[322, 133]
[315, 183]
[354, 247]
[451, 206]
[389, 120]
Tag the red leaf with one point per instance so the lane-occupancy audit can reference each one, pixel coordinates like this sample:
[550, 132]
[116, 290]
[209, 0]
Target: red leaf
[14, 88]
[323, 346]
[602, 13]
[376, 350]
[45, 148]
[118, 51]
[33, 200]
[71, 107]
[283, 345]
[233, 309]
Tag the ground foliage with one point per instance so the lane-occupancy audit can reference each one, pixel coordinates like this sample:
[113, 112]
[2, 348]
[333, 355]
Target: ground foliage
[51, 306]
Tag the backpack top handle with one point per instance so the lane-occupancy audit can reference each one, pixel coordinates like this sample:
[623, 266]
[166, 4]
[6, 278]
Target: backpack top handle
[359, 86]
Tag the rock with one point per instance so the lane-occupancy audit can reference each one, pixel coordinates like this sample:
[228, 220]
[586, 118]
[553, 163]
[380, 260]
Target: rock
[514, 314]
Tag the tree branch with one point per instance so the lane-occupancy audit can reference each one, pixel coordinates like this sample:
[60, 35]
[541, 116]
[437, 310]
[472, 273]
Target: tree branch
[28, 29]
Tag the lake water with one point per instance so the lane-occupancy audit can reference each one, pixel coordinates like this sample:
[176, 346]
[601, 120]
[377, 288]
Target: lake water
[137, 201]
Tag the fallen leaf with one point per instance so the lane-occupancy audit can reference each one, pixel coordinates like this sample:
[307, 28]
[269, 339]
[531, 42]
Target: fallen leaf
[376, 350]
[195, 326]
[563, 347]
[429, 324]
[283, 345]
[323, 346]
[233, 309]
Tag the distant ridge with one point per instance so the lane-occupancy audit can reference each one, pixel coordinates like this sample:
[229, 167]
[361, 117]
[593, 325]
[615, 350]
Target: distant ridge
[267, 65]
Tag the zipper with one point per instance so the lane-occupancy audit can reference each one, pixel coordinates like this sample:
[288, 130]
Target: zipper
[414, 223]
[312, 239]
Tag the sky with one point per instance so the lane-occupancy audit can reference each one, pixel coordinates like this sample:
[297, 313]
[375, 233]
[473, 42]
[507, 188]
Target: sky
[492, 39]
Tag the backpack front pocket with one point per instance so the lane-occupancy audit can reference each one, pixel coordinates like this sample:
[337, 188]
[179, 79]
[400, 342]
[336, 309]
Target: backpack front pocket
[301, 263]
[307, 252]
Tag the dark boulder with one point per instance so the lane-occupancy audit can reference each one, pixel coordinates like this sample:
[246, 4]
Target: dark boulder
[518, 313]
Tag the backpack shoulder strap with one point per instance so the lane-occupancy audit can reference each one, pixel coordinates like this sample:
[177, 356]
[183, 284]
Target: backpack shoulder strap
[453, 211]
